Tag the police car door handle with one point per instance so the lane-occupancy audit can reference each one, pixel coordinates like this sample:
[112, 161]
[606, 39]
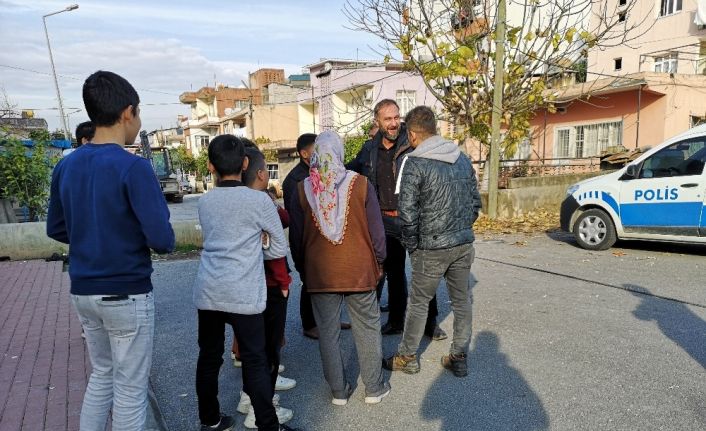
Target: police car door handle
[689, 185]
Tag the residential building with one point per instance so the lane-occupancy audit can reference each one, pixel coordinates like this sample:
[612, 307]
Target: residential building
[670, 37]
[639, 110]
[344, 92]
[637, 94]
[172, 137]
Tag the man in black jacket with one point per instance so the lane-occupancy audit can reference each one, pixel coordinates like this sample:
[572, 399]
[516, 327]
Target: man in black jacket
[379, 160]
[438, 203]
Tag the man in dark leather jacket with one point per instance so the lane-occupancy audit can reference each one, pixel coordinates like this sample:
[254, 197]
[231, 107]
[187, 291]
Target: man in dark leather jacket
[379, 160]
[438, 204]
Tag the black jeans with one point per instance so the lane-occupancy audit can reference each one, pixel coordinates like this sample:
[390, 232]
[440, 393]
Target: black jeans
[275, 320]
[250, 331]
[305, 311]
[394, 269]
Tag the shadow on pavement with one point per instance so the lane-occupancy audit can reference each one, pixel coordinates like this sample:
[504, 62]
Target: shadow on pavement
[655, 246]
[675, 320]
[494, 396]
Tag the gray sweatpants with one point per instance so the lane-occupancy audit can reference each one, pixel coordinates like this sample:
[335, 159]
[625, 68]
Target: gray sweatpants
[364, 312]
[428, 266]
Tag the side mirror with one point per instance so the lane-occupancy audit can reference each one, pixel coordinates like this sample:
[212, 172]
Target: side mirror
[631, 171]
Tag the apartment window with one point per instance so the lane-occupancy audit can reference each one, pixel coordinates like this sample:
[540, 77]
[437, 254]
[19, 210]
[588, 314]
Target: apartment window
[622, 16]
[622, 2]
[668, 7]
[202, 141]
[588, 140]
[273, 171]
[696, 120]
[618, 63]
[667, 64]
[406, 100]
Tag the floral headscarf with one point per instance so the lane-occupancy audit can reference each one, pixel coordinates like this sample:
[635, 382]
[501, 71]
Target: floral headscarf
[328, 187]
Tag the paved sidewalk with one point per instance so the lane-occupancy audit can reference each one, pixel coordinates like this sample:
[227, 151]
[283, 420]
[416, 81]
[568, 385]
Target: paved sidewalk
[44, 365]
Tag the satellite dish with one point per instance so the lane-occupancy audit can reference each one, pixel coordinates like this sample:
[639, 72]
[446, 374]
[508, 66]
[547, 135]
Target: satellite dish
[327, 67]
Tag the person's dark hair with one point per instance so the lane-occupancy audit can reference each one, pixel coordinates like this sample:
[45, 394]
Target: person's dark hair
[421, 119]
[305, 140]
[85, 130]
[256, 161]
[248, 143]
[226, 153]
[381, 104]
[106, 95]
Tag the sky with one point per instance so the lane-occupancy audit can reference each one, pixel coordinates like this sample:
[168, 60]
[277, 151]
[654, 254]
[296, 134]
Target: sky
[163, 48]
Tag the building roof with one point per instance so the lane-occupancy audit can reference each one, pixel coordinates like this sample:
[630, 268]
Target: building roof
[299, 77]
[647, 80]
[24, 123]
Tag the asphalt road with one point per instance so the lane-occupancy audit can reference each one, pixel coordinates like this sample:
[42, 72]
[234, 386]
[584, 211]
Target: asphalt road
[563, 339]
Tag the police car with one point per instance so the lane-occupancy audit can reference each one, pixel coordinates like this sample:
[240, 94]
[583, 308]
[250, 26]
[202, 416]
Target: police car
[658, 197]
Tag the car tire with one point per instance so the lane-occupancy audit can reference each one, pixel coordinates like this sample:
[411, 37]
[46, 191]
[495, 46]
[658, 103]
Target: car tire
[177, 199]
[595, 230]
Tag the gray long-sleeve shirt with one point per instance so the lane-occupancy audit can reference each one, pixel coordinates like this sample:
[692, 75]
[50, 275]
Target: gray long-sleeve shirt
[231, 275]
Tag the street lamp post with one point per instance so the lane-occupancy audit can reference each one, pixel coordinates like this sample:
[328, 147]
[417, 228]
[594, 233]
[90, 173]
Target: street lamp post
[53, 69]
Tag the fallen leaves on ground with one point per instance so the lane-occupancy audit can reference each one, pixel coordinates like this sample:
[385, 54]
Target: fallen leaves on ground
[619, 253]
[540, 220]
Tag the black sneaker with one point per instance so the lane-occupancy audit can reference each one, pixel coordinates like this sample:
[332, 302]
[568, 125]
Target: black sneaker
[391, 329]
[225, 424]
[456, 363]
[287, 428]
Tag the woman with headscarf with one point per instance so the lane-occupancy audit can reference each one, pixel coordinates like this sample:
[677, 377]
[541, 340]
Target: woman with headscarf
[339, 240]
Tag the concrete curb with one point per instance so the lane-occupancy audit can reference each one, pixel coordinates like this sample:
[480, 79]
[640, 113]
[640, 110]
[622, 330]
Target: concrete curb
[23, 241]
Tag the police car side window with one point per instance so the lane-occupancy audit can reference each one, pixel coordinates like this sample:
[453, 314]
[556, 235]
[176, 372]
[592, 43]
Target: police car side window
[680, 159]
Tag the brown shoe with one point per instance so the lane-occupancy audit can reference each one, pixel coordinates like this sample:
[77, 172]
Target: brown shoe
[406, 364]
[312, 333]
[345, 325]
[456, 364]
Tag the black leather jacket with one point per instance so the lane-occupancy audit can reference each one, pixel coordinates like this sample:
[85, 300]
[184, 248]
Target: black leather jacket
[438, 203]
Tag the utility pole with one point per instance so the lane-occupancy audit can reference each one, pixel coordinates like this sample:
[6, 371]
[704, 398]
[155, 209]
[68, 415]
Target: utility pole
[493, 169]
[250, 110]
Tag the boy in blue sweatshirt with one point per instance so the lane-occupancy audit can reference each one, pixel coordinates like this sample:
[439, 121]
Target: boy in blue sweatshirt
[108, 206]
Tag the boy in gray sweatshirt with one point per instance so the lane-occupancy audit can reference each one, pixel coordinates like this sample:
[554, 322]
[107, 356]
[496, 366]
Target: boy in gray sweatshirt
[230, 284]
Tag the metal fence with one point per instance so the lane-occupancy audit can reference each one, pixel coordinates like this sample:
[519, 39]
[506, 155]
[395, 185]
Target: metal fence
[517, 168]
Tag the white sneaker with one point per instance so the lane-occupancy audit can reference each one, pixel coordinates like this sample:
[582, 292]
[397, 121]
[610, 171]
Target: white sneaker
[339, 401]
[280, 369]
[377, 399]
[283, 415]
[283, 383]
[236, 362]
[245, 403]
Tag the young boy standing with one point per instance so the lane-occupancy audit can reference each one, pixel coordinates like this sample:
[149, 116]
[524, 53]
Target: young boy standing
[230, 284]
[278, 280]
[107, 205]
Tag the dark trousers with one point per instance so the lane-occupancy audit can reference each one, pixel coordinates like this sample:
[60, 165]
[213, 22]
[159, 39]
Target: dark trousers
[394, 268]
[275, 320]
[257, 379]
[305, 311]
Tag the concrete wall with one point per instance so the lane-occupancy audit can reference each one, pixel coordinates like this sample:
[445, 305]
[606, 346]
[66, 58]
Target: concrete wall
[532, 193]
[29, 240]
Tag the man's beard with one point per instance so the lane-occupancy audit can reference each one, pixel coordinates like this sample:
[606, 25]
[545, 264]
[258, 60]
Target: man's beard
[391, 137]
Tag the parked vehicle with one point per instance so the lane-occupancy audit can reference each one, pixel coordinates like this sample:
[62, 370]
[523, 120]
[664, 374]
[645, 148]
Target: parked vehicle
[163, 167]
[660, 196]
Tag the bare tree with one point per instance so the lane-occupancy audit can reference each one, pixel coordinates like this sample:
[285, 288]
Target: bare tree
[7, 107]
[450, 43]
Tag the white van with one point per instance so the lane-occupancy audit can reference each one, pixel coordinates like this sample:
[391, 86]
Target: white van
[658, 197]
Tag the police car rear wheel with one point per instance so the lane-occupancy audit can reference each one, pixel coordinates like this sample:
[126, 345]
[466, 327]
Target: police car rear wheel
[594, 230]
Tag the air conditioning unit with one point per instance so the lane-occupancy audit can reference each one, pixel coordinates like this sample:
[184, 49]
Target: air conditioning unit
[561, 110]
